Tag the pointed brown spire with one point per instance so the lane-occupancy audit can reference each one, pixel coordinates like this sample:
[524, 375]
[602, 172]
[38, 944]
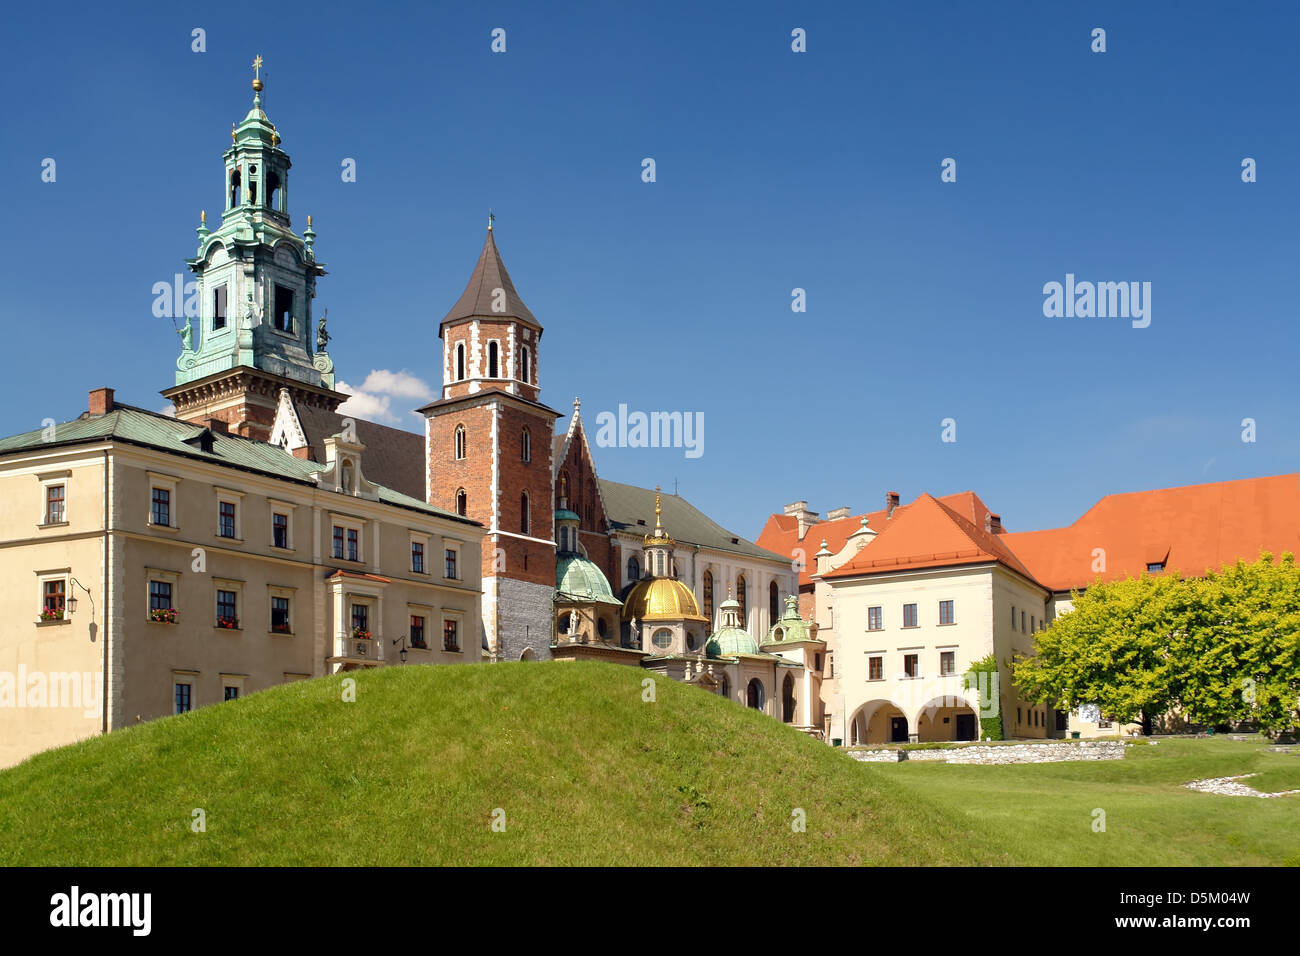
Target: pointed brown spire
[480, 295]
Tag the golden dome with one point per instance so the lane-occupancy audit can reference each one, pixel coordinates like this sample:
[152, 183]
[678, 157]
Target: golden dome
[661, 599]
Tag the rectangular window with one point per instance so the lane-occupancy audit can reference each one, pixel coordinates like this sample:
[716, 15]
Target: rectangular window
[947, 663]
[53, 599]
[160, 507]
[226, 519]
[182, 698]
[360, 620]
[160, 597]
[945, 612]
[417, 631]
[231, 693]
[909, 615]
[338, 542]
[1155, 567]
[54, 512]
[280, 615]
[417, 557]
[450, 636]
[1033, 624]
[283, 309]
[911, 665]
[875, 668]
[1022, 620]
[354, 550]
[1013, 617]
[451, 563]
[218, 308]
[875, 619]
[280, 530]
[227, 609]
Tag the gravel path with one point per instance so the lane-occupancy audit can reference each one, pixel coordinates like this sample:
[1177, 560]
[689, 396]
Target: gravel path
[1228, 787]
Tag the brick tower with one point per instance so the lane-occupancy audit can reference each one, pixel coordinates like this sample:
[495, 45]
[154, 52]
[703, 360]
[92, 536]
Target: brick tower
[488, 445]
[252, 333]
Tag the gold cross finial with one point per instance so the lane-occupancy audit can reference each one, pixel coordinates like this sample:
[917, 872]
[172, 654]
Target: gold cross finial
[257, 66]
[491, 219]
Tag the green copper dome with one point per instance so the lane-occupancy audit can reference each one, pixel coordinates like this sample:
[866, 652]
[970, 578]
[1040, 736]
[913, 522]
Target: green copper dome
[730, 641]
[563, 514]
[580, 580]
[791, 627]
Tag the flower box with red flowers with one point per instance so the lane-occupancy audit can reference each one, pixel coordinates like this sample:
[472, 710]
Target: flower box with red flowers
[163, 615]
[228, 623]
[54, 614]
[360, 634]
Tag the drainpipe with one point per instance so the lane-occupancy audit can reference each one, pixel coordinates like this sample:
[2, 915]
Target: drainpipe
[103, 722]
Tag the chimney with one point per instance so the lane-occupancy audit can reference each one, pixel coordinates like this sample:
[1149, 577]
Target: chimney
[891, 502]
[995, 523]
[837, 513]
[303, 452]
[799, 510]
[217, 426]
[101, 401]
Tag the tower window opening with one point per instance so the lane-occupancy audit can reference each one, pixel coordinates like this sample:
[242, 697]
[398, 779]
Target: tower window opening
[218, 308]
[283, 309]
[523, 513]
[460, 361]
[494, 365]
[460, 442]
[525, 361]
[462, 503]
[236, 181]
[273, 190]
[526, 446]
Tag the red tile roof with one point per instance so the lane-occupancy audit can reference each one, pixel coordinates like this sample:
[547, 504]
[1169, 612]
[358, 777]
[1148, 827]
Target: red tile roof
[781, 533]
[930, 533]
[1191, 529]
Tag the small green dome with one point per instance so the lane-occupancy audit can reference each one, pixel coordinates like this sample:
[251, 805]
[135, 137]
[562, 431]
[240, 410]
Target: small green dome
[791, 627]
[563, 514]
[730, 641]
[579, 580]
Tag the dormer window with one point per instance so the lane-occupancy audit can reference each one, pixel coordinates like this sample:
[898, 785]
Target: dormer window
[1155, 567]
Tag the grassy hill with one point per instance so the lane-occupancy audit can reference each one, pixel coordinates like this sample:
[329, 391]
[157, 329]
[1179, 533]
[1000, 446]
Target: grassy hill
[587, 773]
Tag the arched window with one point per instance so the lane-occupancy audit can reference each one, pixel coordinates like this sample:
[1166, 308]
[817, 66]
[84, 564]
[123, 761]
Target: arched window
[236, 179]
[787, 700]
[525, 364]
[708, 597]
[272, 189]
[462, 503]
[460, 442]
[460, 361]
[526, 449]
[494, 365]
[740, 596]
[724, 689]
[773, 601]
[754, 694]
[523, 513]
[633, 569]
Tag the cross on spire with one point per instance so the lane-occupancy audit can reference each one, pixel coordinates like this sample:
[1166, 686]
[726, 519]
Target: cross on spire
[257, 67]
[491, 219]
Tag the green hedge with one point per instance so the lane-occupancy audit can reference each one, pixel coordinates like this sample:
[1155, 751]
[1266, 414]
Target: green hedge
[990, 727]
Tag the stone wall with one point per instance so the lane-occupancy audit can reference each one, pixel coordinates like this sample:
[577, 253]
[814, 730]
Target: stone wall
[1003, 754]
[524, 616]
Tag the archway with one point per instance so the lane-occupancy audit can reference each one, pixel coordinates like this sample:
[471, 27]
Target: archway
[528, 655]
[947, 718]
[755, 695]
[878, 722]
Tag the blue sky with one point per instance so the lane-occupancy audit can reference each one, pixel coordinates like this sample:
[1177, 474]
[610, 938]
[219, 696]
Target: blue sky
[775, 170]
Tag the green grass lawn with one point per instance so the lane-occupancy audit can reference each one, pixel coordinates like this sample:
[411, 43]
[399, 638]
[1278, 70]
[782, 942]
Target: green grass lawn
[586, 772]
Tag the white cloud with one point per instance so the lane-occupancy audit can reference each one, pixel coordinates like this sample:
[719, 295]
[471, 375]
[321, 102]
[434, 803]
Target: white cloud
[400, 384]
[375, 398]
[169, 411]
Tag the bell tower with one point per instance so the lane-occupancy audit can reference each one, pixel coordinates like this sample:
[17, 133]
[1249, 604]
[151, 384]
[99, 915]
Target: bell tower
[256, 282]
[488, 449]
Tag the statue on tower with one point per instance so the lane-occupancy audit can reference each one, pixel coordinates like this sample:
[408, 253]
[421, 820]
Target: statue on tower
[322, 336]
[187, 334]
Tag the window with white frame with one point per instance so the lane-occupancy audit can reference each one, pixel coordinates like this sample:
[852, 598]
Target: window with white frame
[232, 686]
[162, 501]
[281, 604]
[229, 514]
[228, 600]
[451, 630]
[451, 561]
[419, 553]
[346, 538]
[281, 524]
[54, 497]
[53, 595]
[162, 595]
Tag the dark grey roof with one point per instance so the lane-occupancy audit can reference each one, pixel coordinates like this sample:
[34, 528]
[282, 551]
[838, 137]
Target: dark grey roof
[626, 504]
[490, 274]
[393, 458]
[136, 426]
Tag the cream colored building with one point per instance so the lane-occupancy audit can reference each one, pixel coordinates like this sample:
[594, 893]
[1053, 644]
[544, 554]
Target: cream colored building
[148, 566]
